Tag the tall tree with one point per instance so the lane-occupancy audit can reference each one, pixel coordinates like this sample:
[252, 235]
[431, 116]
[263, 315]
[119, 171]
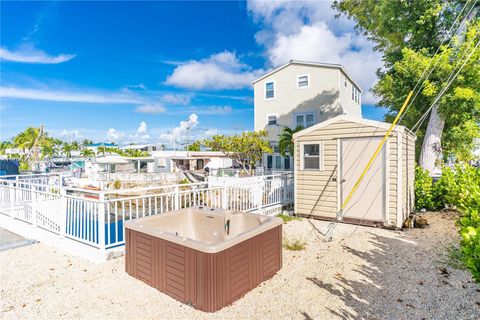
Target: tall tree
[26, 139]
[194, 146]
[75, 145]
[86, 142]
[246, 148]
[49, 151]
[67, 149]
[87, 153]
[408, 33]
[5, 145]
[285, 142]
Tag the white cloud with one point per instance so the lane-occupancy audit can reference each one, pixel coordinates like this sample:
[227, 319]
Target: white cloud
[72, 135]
[114, 135]
[211, 132]
[176, 99]
[67, 96]
[189, 124]
[213, 110]
[139, 86]
[219, 71]
[308, 30]
[181, 131]
[141, 135]
[151, 108]
[28, 54]
[319, 43]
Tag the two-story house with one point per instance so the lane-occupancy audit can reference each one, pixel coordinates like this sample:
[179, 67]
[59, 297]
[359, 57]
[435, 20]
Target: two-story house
[301, 93]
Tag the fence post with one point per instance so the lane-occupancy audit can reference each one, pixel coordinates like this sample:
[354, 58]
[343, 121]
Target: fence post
[34, 206]
[12, 198]
[177, 198]
[259, 193]
[284, 188]
[225, 196]
[63, 212]
[101, 221]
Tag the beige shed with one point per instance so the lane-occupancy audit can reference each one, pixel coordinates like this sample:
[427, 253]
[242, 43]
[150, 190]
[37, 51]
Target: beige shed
[329, 158]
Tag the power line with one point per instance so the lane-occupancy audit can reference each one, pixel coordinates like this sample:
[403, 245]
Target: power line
[438, 49]
[445, 88]
[406, 105]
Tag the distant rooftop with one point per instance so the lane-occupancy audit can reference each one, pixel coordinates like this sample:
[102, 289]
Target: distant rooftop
[102, 144]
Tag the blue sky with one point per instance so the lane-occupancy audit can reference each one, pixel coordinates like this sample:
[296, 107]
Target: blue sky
[140, 72]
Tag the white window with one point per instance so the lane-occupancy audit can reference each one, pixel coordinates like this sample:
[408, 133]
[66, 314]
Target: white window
[269, 90]
[303, 81]
[286, 163]
[278, 162]
[304, 120]
[311, 157]
[272, 120]
[355, 95]
[269, 161]
[345, 82]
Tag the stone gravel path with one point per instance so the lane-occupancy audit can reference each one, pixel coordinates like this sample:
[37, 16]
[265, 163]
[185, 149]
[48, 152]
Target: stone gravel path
[364, 273]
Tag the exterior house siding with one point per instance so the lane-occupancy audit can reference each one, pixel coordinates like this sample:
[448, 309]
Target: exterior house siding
[317, 192]
[325, 97]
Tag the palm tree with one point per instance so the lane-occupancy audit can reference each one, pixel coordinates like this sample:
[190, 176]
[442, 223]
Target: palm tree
[75, 145]
[86, 142]
[49, 150]
[87, 153]
[285, 143]
[67, 149]
[102, 149]
[5, 145]
[26, 139]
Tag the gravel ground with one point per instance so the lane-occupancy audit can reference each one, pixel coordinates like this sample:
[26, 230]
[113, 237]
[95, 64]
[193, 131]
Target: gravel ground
[364, 273]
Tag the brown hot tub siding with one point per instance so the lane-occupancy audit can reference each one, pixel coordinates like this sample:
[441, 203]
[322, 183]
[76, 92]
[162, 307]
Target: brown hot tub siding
[209, 281]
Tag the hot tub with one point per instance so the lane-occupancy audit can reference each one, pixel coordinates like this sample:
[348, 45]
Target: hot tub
[202, 256]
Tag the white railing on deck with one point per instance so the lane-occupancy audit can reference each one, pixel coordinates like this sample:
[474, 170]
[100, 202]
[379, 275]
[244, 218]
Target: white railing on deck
[97, 218]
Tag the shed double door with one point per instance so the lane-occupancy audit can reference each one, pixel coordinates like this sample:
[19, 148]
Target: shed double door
[368, 202]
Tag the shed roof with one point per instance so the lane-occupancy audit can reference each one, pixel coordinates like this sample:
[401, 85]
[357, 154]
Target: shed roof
[361, 121]
[310, 63]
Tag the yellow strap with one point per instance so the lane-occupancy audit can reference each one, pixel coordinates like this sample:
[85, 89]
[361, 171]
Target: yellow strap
[374, 156]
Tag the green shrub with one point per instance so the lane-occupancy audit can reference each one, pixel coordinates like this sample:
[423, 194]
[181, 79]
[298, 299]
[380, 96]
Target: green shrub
[459, 188]
[445, 190]
[468, 203]
[424, 197]
[287, 218]
[295, 244]
[184, 181]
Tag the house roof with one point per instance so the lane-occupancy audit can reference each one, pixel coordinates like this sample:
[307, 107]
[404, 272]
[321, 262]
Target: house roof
[363, 121]
[102, 144]
[187, 154]
[110, 160]
[313, 64]
[140, 146]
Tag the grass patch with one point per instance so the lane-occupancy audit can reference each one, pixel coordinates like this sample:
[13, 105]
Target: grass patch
[294, 245]
[287, 218]
[453, 257]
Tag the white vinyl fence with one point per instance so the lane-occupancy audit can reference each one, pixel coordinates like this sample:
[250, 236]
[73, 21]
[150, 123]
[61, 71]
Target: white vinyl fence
[96, 218]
